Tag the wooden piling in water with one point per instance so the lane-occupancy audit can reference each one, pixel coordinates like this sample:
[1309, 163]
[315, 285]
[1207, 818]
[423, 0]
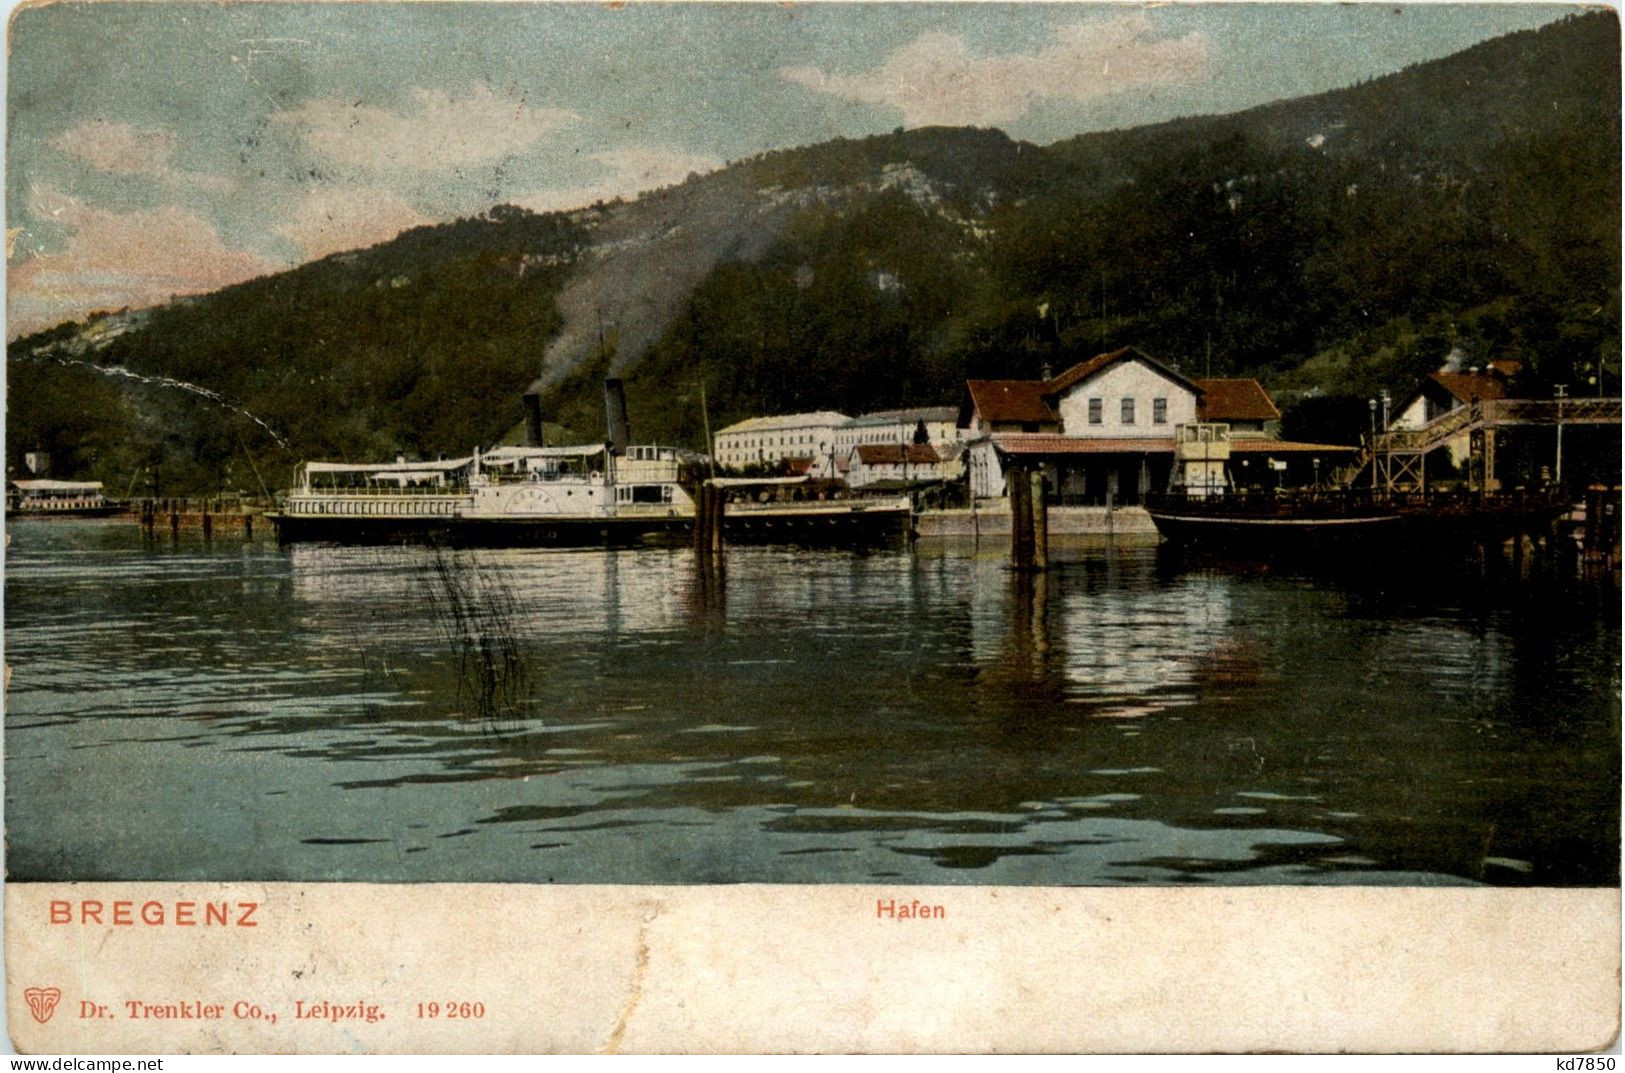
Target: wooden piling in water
[208, 525]
[708, 520]
[1038, 507]
[1021, 520]
[718, 513]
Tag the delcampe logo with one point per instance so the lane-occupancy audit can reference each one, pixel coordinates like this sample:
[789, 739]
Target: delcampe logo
[42, 1002]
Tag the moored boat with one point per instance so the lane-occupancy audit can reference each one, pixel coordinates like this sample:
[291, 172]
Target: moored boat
[1315, 519]
[42, 498]
[848, 522]
[1308, 519]
[509, 496]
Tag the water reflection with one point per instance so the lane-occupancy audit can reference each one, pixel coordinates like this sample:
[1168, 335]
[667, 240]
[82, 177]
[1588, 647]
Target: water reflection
[642, 716]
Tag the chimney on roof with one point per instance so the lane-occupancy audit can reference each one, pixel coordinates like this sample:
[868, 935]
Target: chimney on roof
[1046, 372]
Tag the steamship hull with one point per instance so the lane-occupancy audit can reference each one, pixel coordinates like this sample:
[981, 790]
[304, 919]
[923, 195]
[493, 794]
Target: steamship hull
[616, 532]
[317, 529]
[104, 510]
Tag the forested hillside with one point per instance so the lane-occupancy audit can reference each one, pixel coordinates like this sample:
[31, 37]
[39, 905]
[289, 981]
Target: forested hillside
[1332, 245]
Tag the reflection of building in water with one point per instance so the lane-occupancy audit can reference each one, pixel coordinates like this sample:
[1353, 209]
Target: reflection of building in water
[1112, 639]
[1136, 651]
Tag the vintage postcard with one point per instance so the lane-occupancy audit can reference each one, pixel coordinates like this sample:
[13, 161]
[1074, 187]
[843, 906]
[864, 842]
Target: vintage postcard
[555, 527]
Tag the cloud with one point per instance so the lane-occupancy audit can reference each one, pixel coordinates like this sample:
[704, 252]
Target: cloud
[632, 171]
[118, 259]
[934, 79]
[118, 147]
[121, 149]
[438, 131]
[334, 218]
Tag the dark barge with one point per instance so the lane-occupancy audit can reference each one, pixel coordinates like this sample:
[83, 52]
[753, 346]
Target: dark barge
[1351, 519]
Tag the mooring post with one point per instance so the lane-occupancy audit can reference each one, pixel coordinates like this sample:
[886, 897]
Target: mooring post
[718, 513]
[1038, 506]
[1021, 519]
[174, 524]
[248, 527]
[208, 523]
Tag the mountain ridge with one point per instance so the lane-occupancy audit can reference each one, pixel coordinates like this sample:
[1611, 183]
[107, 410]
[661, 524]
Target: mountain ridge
[1329, 244]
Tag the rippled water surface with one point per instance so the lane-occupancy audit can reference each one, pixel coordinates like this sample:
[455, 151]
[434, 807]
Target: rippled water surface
[242, 711]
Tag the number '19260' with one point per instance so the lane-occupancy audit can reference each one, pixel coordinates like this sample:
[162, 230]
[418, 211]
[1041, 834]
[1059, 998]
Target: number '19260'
[451, 1011]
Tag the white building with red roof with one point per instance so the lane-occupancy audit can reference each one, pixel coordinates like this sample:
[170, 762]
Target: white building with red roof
[1105, 429]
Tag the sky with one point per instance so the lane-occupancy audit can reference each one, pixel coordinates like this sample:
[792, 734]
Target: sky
[158, 149]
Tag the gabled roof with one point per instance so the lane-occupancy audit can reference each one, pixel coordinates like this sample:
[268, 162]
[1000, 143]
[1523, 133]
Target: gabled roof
[1470, 386]
[1084, 370]
[1019, 401]
[895, 454]
[1235, 400]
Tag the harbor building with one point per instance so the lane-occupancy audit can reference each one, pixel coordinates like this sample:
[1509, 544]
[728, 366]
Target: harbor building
[767, 440]
[822, 443]
[1105, 431]
[935, 425]
[903, 465]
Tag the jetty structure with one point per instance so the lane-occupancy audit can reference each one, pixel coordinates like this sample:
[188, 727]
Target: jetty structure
[1448, 429]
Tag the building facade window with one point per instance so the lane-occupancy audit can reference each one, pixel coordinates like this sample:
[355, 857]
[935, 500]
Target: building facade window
[1094, 411]
[1128, 411]
[1159, 411]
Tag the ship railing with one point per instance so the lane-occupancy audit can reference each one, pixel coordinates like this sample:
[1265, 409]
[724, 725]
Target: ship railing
[373, 506]
[383, 490]
[542, 476]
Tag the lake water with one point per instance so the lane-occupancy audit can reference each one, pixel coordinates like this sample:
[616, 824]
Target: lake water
[231, 711]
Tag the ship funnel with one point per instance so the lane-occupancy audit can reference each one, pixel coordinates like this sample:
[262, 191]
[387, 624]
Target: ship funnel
[533, 420]
[617, 431]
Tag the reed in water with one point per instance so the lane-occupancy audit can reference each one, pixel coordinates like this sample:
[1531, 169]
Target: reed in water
[475, 610]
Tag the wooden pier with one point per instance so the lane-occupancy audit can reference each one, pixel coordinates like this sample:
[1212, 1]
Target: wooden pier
[208, 518]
